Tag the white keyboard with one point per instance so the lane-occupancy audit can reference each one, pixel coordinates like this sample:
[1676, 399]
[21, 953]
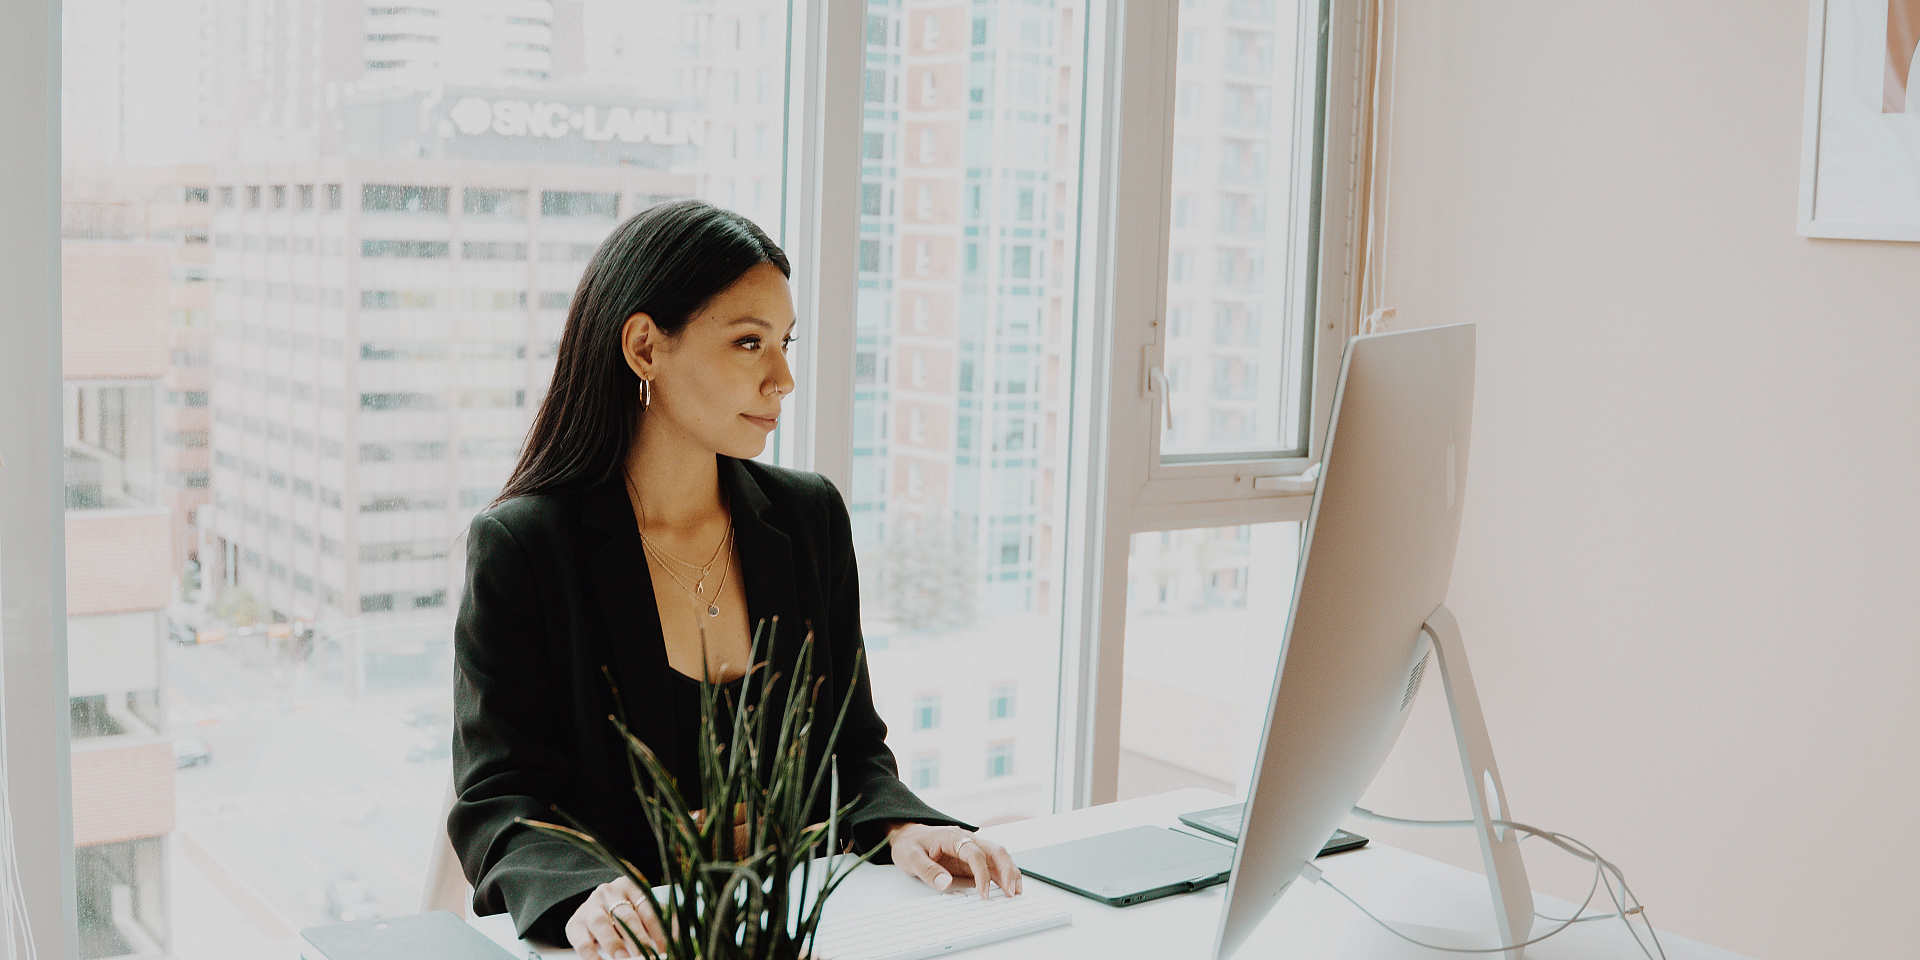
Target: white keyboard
[933, 927]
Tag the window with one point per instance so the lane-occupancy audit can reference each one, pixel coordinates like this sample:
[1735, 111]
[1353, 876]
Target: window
[999, 759]
[394, 198]
[566, 203]
[492, 250]
[957, 310]
[926, 711]
[420, 249]
[1000, 702]
[1249, 397]
[1202, 648]
[485, 202]
[925, 771]
[365, 352]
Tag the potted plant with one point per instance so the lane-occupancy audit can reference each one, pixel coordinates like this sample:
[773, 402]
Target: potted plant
[721, 899]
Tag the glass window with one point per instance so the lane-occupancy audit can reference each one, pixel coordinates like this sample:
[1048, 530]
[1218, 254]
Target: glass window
[1249, 397]
[483, 202]
[273, 440]
[960, 529]
[579, 203]
[394, 198]
[999, 759]
[926, 712]
[1206, 612]
[1000, 703]
[925, 772]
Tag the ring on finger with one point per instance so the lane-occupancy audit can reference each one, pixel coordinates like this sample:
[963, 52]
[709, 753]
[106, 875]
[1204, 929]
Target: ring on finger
[963, 842]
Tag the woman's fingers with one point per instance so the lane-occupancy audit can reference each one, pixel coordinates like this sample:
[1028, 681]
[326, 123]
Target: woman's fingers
[649, 925]
[580, 940]
[1004, 872]
[600, 928]
[974, 855]
[914, 859]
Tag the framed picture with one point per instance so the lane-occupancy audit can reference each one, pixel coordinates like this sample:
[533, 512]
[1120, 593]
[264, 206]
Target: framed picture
[1860, 156]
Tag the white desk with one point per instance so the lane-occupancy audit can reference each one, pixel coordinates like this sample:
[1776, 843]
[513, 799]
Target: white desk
[1423, 898]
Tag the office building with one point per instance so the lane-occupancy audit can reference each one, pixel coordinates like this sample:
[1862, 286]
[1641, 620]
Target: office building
[383, 331]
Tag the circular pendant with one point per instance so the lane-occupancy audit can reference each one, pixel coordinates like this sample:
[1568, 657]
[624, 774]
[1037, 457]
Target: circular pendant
[713, 610]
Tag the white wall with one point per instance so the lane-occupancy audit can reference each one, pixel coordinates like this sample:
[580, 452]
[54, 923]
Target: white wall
[1691, 561]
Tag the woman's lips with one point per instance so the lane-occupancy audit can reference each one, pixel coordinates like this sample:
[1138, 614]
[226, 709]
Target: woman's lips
[765, 423]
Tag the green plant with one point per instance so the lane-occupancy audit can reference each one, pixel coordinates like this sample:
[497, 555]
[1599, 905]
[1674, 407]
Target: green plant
[718, 900]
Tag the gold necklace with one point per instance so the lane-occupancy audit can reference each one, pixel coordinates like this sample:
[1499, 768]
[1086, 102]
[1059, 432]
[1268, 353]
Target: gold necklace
[696, 588]
[713, 607]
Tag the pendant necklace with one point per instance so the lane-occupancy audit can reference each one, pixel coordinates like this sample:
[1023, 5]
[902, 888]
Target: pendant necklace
[695, 587]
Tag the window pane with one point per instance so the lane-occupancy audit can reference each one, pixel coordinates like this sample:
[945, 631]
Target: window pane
[314, 284]
[1236, 357]
[962, 380]
[1206, 612]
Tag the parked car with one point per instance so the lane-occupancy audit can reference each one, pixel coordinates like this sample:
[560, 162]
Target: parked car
[347, 899]
[191, 752]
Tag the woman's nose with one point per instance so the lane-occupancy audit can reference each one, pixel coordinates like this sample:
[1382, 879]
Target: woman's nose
[781, 382]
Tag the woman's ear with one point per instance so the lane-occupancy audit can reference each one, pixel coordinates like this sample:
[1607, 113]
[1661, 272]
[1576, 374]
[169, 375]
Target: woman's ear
[638, 337]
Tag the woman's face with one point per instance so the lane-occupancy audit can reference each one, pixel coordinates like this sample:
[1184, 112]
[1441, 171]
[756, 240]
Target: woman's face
[718, 382]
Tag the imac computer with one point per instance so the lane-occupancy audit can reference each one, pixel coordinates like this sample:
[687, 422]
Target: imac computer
[1368, 622]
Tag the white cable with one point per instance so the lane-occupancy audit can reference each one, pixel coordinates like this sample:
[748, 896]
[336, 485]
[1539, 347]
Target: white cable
[1365, 814]
[1606, 873]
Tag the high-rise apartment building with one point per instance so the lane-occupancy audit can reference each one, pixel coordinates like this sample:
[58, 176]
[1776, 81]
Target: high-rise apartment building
[970, 173]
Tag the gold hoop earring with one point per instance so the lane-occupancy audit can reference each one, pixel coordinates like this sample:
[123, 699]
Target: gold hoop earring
[646, 393]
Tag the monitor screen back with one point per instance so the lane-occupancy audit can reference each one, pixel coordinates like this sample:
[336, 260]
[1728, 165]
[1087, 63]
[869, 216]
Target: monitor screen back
[1378, 555]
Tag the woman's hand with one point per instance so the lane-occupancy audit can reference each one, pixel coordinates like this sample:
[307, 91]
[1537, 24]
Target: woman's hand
[938, 854]
[593, 933]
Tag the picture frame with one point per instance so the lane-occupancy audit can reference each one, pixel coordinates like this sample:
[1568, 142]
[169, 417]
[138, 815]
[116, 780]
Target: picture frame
[1860, 150]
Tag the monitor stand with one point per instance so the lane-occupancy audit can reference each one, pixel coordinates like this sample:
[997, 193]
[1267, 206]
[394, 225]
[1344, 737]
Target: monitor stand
[1499, 846]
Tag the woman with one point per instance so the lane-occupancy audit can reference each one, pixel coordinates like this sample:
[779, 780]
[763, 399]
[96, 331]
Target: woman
[634, 521]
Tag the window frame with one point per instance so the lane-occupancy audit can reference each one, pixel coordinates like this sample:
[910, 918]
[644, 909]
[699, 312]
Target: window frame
[33, 607]
[1226, 489]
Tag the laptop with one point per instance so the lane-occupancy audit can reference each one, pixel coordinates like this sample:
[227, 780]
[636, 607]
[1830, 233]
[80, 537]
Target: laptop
[1146, 863]
[1224, 822]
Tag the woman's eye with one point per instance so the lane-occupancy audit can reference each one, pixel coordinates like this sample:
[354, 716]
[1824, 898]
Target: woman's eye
[751, 343]
[787, 344]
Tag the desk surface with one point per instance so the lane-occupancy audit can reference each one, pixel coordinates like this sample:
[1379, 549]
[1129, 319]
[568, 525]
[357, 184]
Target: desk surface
[1423, 898]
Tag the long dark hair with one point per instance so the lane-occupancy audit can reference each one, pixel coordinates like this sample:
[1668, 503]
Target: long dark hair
[666, 261]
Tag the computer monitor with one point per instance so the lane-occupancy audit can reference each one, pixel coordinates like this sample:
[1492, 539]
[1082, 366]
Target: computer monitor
[1377, 557]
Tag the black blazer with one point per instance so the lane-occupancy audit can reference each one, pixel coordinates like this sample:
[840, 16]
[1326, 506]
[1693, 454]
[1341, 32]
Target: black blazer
[557, 587]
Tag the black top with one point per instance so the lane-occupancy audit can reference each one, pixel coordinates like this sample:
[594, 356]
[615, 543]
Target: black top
[683, 701]
[557, 592]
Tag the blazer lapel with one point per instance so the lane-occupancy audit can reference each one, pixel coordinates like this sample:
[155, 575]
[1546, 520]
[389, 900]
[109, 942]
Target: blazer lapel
[635, 648]
[766, 566]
